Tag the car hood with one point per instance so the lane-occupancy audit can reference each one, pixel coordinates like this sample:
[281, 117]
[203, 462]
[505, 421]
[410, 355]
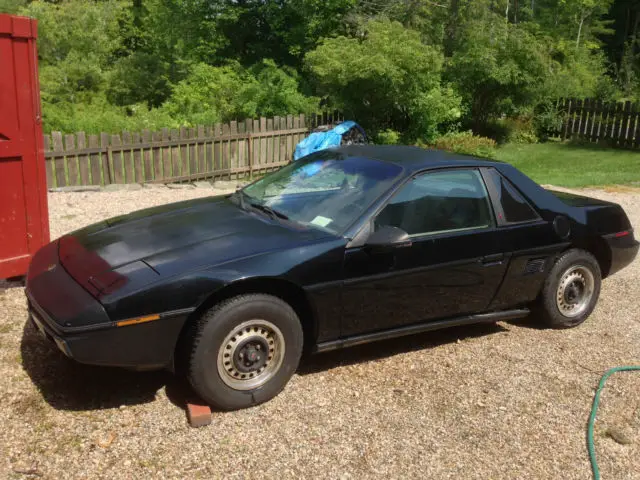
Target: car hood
[177, 237]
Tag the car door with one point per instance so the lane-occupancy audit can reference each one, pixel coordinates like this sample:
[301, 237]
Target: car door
[453, 265]
[529, 242]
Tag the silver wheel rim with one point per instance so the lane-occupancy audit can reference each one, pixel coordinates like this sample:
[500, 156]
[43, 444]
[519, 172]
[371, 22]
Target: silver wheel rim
[575, 291]
[251, 354]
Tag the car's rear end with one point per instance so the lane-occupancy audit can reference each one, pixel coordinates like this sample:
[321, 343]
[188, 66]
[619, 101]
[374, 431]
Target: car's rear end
[608, 222]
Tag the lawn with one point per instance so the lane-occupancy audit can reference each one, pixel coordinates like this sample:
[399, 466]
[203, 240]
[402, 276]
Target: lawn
[573, 166]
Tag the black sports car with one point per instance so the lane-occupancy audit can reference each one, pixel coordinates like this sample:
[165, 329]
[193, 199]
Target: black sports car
[345, 246]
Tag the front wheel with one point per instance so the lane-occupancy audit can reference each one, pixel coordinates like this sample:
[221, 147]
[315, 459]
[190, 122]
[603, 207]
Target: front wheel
[244, 351]
[571, 290]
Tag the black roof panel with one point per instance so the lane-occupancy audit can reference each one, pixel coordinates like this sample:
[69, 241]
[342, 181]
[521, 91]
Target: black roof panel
[413, 158]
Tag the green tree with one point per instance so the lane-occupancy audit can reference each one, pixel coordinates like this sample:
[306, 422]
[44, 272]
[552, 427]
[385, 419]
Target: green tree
[385, 78]
[497, 67]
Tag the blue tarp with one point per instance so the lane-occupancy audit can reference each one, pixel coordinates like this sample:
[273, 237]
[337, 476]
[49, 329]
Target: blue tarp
[321, 140]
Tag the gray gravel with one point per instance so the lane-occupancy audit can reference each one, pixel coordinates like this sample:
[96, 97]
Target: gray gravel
[495, 401]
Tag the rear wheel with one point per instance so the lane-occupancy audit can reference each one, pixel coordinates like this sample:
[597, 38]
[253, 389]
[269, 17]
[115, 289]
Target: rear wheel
[244, 351]
[571, 290]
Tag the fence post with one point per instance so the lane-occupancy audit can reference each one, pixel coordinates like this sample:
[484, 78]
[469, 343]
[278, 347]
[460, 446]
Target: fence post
[61, 180]
[83, 159]
[106, 163]
[49, 163]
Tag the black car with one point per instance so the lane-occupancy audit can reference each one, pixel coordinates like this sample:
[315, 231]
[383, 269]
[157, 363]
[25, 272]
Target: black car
[343, 247]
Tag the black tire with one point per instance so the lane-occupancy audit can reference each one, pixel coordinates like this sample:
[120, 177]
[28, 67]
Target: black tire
[555, 306]
[216, 334]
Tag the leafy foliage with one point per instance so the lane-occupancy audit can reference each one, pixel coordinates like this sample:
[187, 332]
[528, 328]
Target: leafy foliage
[415, 67]
[386, 78]
[467, 143]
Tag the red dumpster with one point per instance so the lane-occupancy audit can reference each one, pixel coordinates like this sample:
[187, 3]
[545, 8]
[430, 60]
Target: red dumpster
[24, 220]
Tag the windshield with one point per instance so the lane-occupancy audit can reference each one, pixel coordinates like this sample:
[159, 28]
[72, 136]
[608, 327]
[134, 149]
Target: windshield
[325, 190]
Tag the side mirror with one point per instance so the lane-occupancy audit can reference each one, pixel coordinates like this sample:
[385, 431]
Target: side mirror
[388, 238]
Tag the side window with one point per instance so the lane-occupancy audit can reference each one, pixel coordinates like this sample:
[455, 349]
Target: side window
[514, 206]
[439, 202]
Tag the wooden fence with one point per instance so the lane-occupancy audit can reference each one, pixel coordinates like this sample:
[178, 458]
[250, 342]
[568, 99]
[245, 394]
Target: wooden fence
[611, 123]
[177, 155]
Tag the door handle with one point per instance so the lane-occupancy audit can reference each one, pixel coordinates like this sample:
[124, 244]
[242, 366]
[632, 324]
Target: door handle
[490, 260]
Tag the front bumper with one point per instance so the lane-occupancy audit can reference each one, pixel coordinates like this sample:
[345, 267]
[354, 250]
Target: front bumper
[623, 251]
[68, 315]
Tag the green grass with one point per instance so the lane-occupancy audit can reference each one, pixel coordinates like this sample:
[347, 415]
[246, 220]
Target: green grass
[569, 165]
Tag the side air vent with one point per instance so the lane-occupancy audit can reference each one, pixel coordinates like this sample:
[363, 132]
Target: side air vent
[534, 266]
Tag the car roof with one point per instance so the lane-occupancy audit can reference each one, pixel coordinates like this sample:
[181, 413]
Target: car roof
[414, 158]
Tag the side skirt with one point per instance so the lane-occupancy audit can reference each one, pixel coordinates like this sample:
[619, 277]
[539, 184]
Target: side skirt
[422, 327]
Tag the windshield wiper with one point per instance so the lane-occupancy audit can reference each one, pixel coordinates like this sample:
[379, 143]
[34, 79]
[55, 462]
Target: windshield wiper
[269, 211]
[240, 196]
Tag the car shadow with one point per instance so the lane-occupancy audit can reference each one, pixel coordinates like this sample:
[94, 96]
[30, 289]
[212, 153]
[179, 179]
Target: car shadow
[68, 385]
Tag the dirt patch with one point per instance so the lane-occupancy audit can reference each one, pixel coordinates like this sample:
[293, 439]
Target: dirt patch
[490, 401]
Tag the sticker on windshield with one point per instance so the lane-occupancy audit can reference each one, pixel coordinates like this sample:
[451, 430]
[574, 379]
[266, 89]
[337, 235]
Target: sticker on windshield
[321, 221]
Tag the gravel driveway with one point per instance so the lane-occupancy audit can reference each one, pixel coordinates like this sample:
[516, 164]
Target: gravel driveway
[509, 400]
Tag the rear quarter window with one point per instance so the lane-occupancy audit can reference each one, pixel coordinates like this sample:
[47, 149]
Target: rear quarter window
[515, 207]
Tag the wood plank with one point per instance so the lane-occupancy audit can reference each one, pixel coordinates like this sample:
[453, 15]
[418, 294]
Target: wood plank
[176, 167]
[96, 167]
[586, 118]
[636, 130]
[138, 168]
[566, 117]
[296, 136]
[183, 151]
[617, 122]
[233, 145]
[71, 158]
[157, 158]
[127, 158]
[242, 146]
[269, 150]
[200, 159]
[289, 156]
[606, 122]
[626, 118]
[276, 139]
[225, 150]
[166, 156]
[217, 148]
[190, 152]
[301, 125]
[282, 148]
[147, 157]
[263, 142]
[116, 161]
[248, 127]
[83, 160]
[105, 159]
[49, 163]
[255, 159]
[595, 125]
[577, 123]
[209, 149]
[61, 177]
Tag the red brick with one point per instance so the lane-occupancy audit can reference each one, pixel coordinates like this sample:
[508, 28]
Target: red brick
[198, 415]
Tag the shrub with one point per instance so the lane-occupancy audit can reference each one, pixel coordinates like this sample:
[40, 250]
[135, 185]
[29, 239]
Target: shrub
[547, 120]
[467, 143]
[386, 78]
[388, 137]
